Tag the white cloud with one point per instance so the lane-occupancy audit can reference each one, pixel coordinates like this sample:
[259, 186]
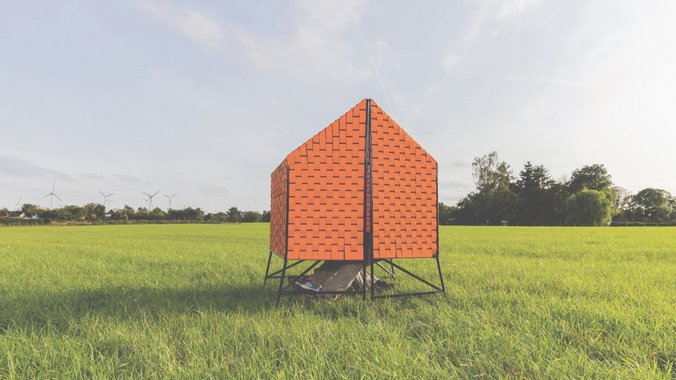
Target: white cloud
[553, 81]
[491, 16]
[317, 50]
[609, 97]
[451, 61]
[17, 167]
[513, 8]
[193, 24]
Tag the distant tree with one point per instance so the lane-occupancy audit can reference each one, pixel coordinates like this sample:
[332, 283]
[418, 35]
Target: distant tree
[560, 193]
[187, 214]
[157, 214]
[64, 213]
[651, 206]
[588, 208]
[593, 177]
[536, 198]
[493, 201]
[195, 214]
[490, 174]
[94, 211]
[141, 213]
[447, 214]
[234, 215]
[621, 197]
[30, 209]
[251, 216]
[468, 212]
[73, 212]
[487, 208]
[216, 217]
[120, 215]
[129, 212]
[502, 205]
[265, 217]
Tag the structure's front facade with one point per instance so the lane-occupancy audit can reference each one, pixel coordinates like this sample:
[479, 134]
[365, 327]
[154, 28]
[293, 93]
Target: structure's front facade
[362, 164]
[361, 189]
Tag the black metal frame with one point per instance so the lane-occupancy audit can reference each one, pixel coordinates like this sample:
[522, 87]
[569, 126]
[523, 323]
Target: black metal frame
[368, 259]
[283, 290]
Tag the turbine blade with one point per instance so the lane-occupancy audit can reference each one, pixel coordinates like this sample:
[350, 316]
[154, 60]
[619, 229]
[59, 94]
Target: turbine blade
[156, 193]
[101, 192]
[145, 193]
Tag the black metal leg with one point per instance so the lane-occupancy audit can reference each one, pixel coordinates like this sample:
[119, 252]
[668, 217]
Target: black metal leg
[282, 290]
[267, 269]
[273, 274]
[417, 277]
[373, 289]
[363, 277]
[391, 268]
[281, 282]
[441, 276]
[391, 273]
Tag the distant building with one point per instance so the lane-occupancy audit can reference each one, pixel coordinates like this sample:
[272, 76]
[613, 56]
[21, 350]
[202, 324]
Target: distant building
[17, 215]
[5, 214]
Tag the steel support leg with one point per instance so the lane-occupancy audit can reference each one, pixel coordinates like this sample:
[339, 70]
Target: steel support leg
[281, 282]
[267, 269]
[441, 276]
[363, 276]
[373, 289]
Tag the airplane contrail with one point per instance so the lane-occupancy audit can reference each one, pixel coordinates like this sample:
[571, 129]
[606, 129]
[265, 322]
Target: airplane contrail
[375, 67]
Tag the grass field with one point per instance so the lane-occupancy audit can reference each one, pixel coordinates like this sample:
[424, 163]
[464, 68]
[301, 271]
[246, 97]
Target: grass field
[188, 301]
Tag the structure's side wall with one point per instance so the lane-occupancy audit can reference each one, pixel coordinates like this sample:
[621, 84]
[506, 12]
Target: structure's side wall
[404, 192]
[326, 192]
[278, 209]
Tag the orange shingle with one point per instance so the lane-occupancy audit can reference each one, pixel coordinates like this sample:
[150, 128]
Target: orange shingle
[326, 180]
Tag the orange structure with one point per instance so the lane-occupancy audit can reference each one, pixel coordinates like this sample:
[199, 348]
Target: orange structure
[359, 190]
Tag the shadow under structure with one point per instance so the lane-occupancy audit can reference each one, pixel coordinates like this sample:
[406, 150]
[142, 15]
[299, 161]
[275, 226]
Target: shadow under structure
[361, 190]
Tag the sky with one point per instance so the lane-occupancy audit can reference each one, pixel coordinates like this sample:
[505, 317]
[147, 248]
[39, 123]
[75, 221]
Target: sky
[204, 99]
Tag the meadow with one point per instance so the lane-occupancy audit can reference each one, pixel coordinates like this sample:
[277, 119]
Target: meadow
[188, 301]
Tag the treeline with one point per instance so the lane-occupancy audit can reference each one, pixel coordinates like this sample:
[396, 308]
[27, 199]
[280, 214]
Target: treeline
[533, 198]
[94, 212]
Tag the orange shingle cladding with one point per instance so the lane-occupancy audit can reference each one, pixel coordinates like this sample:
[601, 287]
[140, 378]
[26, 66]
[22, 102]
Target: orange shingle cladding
[278, 197]
[404, 192]
[326, 193]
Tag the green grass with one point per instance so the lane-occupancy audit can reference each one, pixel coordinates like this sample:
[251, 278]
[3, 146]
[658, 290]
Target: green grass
[176, 301]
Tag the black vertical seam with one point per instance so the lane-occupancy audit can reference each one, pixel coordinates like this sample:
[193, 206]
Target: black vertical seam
[368, 207]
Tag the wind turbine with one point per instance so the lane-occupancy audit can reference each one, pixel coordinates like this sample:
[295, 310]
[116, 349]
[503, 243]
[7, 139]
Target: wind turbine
[150, 199]
[106, 199]
[52, 195]
[169, 198]
[18, 205]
